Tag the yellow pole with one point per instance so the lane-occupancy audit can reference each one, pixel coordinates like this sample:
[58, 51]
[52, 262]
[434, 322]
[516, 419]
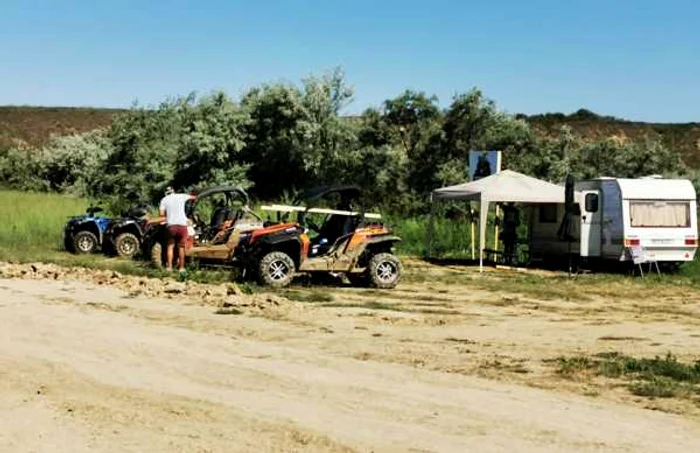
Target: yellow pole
[495, 230]
[473, 238]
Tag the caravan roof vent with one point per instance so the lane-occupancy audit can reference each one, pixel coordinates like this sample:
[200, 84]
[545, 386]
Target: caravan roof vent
[652, 177]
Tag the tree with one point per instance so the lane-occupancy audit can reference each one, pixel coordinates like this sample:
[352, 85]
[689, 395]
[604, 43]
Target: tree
[296, 133]
[211, 143]
[144, 151]
[413, 118]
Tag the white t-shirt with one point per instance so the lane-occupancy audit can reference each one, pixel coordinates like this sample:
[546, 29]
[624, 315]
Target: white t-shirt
[174, 207]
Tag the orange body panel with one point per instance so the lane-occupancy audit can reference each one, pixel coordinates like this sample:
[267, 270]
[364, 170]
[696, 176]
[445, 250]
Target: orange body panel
[271, 229]
[361, 234]
[305, 245]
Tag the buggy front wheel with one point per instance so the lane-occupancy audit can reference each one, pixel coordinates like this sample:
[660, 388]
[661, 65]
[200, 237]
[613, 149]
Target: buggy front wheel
[276, 269]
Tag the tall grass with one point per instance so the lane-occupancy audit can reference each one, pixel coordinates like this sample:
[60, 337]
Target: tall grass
[451, 238]
[33, 222]
[691, 270]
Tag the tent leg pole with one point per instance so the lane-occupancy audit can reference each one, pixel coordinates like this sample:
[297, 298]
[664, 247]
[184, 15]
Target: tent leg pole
[473, 241]
[495, 229]
[431, 228]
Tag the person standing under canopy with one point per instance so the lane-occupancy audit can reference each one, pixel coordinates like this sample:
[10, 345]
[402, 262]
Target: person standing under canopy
[509, 231]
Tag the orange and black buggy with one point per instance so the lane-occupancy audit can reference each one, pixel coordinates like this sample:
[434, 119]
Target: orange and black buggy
[328, 236]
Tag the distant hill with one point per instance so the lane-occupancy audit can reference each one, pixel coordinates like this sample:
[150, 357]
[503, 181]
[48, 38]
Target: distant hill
[685, 137]
[34, 125]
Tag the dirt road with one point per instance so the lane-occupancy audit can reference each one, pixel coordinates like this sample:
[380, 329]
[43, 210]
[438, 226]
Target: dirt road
[94, 368]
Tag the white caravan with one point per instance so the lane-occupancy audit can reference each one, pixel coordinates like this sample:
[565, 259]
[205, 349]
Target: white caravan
[614, 216]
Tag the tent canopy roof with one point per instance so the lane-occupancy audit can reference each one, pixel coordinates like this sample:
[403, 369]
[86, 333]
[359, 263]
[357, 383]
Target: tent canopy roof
[505, 186]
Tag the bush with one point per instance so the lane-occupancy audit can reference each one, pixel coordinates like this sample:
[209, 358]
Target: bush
[68, 164]
[282, 138]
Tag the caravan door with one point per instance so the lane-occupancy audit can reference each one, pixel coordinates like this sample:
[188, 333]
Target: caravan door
[591, 223]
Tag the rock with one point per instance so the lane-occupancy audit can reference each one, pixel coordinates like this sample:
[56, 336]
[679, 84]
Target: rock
[175, 288]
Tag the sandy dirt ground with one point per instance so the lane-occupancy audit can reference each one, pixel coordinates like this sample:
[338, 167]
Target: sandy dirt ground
[99, 362]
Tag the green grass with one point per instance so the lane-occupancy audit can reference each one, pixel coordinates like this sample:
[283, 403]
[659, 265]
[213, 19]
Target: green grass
[33, 223]
[691, 270]
[659, 377]
[451, 239]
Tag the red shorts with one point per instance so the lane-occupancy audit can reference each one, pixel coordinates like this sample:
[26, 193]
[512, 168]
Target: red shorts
[177, 234]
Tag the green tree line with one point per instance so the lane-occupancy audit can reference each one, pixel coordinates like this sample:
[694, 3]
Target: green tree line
[280, 138]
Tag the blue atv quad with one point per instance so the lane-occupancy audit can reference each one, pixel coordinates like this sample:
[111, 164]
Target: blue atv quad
[85, 233]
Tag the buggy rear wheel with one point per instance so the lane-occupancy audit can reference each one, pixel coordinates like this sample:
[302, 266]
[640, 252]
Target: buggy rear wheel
[157, 255]
[384, 270]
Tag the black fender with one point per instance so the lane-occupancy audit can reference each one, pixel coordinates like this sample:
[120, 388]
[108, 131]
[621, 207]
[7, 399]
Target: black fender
[128, 225]
[285, 241]
[153, 234]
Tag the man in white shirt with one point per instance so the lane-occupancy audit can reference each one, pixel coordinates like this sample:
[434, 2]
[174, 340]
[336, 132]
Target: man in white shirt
[172, 208]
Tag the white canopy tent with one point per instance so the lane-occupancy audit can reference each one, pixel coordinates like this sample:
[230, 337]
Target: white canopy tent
[505, 186]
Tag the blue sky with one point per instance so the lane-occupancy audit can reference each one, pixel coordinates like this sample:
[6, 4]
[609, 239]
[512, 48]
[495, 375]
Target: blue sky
[634, 59]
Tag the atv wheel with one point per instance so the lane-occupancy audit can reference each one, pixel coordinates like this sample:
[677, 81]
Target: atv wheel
[85, 242]
[276, 269]
[126, 245]
[157, 256]
[384, 270]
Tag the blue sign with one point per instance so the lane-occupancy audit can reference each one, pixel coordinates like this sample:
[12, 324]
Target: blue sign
[483, 164]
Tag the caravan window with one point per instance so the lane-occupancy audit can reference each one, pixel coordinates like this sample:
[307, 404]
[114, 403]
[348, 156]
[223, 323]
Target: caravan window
[591, 202]
[660, 214]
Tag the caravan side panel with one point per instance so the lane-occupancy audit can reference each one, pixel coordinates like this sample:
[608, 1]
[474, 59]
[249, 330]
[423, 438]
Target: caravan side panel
[613, 223]
[545, 220]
